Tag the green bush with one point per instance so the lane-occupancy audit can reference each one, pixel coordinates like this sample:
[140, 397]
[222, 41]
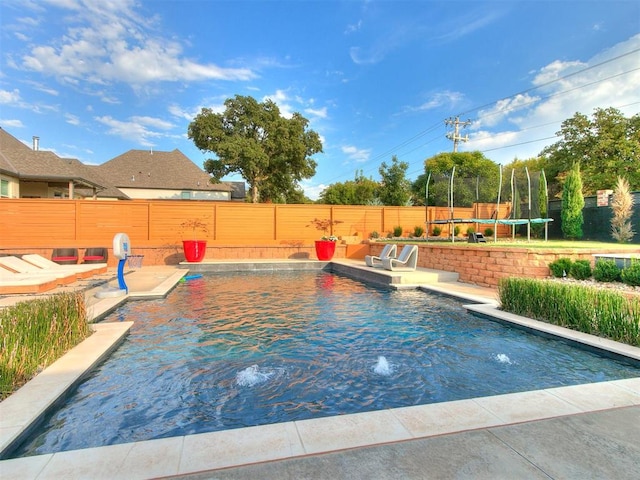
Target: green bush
[561, 267]
[35, 333]
[436, 231]
[397, 231]
[606, 271]
[418, 231]
[374, 234]
[592, 310]
[488, 232]
[580, 270]
[631, 274]
[471, 230]
[456, 230]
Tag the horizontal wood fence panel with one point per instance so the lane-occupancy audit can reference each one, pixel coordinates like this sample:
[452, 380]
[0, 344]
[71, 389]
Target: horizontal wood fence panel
[49, 223]
[245, 223]
[169, 221]
[293, 222]
[30, 222]
[406, 217]
[99, 222]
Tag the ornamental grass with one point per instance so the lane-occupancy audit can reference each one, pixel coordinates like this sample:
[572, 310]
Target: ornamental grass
[35, 333]
[597, 311]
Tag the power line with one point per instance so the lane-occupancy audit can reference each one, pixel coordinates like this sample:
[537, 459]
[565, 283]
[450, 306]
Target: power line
[456, 134]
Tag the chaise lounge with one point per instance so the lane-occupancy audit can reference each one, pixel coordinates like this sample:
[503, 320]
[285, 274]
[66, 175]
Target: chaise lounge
[15, 264]
[81, 270]
[390, 250]
[407, 260]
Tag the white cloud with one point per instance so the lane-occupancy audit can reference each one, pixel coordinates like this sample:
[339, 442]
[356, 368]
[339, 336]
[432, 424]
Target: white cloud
[311, 190]
[317, 112]
[72, 119]
[10, 97]
[11, 123]
[131, 130]
[153, 122]
[559, 90]
[439, 99]
[357, 154]
[107, 42]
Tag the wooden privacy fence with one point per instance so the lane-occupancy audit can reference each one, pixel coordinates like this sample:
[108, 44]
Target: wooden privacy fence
[58, 223]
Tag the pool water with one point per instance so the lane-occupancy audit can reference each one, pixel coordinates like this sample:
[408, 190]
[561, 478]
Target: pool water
[241, 349]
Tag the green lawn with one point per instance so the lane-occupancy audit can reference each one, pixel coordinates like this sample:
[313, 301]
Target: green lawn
[534, 243]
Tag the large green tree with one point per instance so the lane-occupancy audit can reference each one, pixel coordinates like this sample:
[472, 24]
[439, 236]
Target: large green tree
[271, 152]
[361, 191]
[395, 188]
[475, 177]
[606, 146]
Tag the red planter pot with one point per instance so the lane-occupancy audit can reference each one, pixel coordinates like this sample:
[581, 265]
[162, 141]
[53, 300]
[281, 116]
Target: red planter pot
[194, 250]
[325, 249]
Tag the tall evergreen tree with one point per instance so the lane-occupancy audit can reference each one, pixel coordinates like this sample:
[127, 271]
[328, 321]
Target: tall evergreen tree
[572, 205]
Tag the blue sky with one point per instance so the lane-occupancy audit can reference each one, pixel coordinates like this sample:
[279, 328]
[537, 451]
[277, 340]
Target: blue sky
[94, 79]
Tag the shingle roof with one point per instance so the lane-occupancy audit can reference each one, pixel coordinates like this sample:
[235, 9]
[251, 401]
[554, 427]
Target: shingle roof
[18, 160]
[163, 170]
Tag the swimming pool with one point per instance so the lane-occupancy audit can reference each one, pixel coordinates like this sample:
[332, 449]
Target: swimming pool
[235, 350]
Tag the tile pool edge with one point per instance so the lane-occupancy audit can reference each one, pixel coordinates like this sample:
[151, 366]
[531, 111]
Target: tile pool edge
[24, 409]
[601, 343]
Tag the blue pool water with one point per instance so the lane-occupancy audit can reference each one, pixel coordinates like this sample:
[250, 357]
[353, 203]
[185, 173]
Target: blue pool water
[242, 349]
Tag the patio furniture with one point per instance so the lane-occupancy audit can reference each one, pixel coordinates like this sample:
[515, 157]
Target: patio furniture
[407, 260]
[65, 256]
[390, 250]
[96, 255]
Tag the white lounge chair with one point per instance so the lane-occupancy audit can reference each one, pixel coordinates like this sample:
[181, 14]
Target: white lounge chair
[390, 250]
[18, 265]
[407, 260]
[24, 283]
[81, 270]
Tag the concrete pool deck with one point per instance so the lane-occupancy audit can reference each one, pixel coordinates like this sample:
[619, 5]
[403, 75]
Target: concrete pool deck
[584, 431]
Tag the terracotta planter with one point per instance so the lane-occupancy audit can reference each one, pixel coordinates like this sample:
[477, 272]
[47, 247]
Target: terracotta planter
[325, 249]
[194, 250]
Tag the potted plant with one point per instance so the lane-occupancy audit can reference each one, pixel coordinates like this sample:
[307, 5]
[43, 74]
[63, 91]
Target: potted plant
[326, 246]
[194, 249]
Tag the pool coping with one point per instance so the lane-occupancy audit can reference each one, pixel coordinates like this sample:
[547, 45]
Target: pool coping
[208, 451]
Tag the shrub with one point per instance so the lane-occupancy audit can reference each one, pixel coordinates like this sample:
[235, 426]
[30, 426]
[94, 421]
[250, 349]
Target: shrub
[456, 230]
[488, 232]
[35, 333]
[622, 206]
[418, 231]
[560, 267]
[436, 231]
[471, 230]
[580, 269]
[596, 311]
[631, 274]
[374, 234]
[397, 231]
[606, 271]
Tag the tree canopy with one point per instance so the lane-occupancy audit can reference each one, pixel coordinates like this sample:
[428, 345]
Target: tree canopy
[606, 147]
[395, 189]
[361, 191]
[253, 139]
[475, 176]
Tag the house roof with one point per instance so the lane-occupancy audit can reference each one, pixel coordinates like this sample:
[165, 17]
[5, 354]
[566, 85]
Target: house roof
[162, 170]
[18, 160]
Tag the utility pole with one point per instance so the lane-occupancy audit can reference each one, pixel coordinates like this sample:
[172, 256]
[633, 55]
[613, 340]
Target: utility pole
[455, 135]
